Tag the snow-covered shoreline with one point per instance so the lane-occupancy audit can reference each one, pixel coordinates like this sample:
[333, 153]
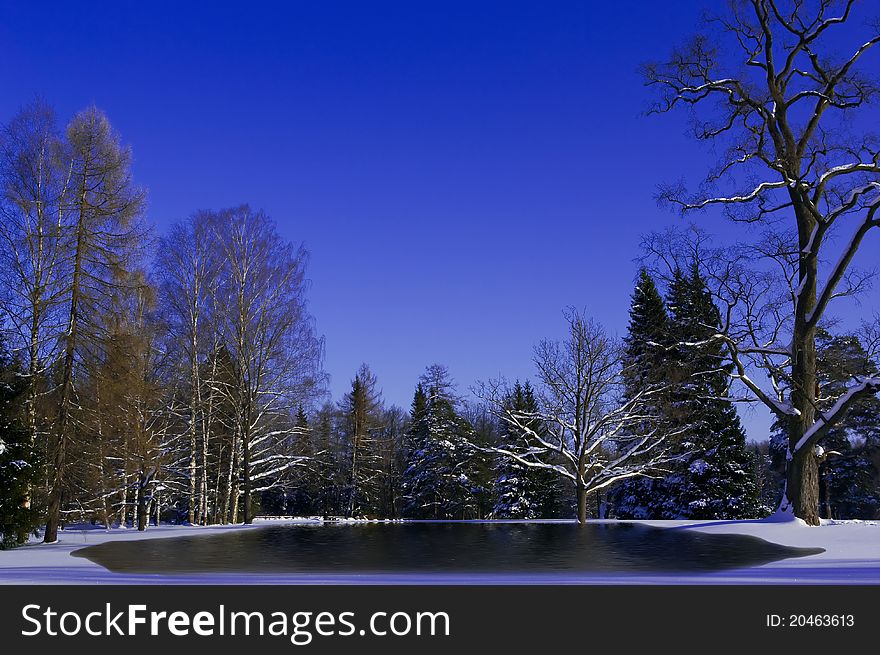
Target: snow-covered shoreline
[851, 556]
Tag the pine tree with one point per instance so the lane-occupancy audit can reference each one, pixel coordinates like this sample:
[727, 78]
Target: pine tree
[768, 482]
[19, 461]
[363, 415]
[480, 465]
[436, 484]
[523, 492]
[392, 460]
[328, 498]
[647, 336]
[849, 476]
[715, 476]
[297, 495]
[645, 364]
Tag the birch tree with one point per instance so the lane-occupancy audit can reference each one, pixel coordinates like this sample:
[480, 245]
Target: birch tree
[189, 262]
[270, 336]
[769, 88]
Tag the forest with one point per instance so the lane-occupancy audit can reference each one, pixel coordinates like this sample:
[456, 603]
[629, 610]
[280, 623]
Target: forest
[177, 377]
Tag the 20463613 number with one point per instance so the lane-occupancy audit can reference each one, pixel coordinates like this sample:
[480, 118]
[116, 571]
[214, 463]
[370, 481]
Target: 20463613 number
[810, 620]
[821, 621]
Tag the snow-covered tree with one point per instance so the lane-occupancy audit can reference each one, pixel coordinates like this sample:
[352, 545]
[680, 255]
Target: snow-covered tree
[188, 262]
[849, 475]
[522, 492]
[436, 482]
[328, 463]
[591, 432]
[275, 353]
[711, 474]
[714, 476]
[645, 364]
[392, 454]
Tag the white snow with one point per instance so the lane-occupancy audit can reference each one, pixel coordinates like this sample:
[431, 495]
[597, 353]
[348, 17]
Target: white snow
[852, 556]
[868, 385]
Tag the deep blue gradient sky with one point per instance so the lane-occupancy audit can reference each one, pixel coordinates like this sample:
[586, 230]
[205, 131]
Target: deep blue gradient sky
[460, 171]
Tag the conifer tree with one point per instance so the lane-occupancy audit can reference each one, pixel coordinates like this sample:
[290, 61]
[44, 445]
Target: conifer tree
[101, 228]
[849, 477]
[522, 492]
[327, 467]
[645, 363]
[19, 461]
[363, 416]
[715, 474]
[298, 493]
[647, 336]
[436, 484]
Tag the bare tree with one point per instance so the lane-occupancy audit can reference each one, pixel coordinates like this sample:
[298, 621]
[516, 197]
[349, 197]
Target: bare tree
[130, 404]
[787, 109]
[35, 178]
[189, 262]
[589, 433]
[270, 336]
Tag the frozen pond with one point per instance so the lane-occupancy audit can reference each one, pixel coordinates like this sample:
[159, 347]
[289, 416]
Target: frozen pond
[429, 547]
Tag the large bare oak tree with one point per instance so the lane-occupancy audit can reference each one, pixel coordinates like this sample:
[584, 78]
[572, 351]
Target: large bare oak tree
[782, 87]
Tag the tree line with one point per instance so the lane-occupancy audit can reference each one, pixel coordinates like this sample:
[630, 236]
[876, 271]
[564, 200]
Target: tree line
[156, 372]
[179, 378]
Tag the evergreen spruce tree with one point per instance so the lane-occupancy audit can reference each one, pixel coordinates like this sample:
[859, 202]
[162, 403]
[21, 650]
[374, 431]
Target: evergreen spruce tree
[393, 450]
[480, 468]
[436, 483]
[645, 364]
[769, 485]
[849, 476]
[19, 461]
[714, 477]
[523, 492]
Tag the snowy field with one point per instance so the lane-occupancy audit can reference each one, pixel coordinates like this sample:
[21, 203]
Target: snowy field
[852, 556]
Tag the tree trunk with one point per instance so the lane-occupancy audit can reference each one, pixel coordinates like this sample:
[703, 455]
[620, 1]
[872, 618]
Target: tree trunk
[246, 472]
[236, 484]
[193, 418]
[231, 473]
[802, 487]
[32, 390]
[582, 502]
[123, 511]
[202, 518]
[53, 511]
[141, 504]
[802, 474]
[53, 514]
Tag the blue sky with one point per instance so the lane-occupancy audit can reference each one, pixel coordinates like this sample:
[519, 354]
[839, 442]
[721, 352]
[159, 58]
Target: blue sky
[460, 171]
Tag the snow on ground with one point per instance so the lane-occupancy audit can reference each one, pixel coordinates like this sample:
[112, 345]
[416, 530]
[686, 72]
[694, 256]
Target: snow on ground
[852, 551]
[852, 556]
